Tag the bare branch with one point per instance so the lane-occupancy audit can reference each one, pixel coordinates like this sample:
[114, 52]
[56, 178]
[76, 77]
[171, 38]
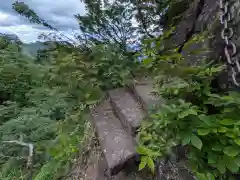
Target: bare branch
[30, 147]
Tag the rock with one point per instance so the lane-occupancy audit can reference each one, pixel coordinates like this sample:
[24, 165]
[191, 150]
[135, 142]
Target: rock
[96, 171]
[172, 15]
[203, 16]
[117, 145]
[145, 95]
[186, 25]
[173, 171]
[127, 108]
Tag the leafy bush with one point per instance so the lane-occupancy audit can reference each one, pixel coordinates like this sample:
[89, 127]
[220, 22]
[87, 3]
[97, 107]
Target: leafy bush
[38, 110]
[196, 116]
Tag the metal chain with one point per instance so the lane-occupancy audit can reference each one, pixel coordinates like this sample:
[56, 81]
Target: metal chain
[230, 49]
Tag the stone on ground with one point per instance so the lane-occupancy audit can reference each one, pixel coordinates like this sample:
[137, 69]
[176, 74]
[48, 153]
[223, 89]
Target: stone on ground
[117, 145]
[144, 94]
[127, 109]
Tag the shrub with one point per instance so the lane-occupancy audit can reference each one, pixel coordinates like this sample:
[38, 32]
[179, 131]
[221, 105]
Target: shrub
[196, 116]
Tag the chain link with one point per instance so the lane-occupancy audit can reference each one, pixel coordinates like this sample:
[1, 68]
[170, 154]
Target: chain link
[230, 49]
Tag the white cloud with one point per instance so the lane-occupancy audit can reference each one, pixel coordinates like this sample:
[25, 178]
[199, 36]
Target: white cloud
[29, 34]
[25, 32]
[59, 14]
[8, 19]
[3, 17]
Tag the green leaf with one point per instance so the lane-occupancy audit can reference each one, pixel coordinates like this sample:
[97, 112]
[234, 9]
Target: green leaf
[217, 147]
[222, 129]
[147, 61]
[231, 151]
[201, 176]
[237, 141]
[221, 166]
[237, 161]
[143, 163]
[203, 132]
[193, 165]
[210, 176]
[151, 164]
[208, 120]
[230, 134]
[145, 151]
[212, 158]
[227, 122]
[186, 113]
[154, 154]
[232, 166]
[142, 150]
[186, 139]
[196, 141]
[223, 141]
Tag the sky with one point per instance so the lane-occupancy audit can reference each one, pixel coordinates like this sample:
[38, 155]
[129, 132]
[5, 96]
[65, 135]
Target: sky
[58, 13]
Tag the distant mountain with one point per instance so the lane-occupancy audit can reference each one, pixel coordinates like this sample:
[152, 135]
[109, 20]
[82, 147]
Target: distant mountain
[11, 37]
[31, 49]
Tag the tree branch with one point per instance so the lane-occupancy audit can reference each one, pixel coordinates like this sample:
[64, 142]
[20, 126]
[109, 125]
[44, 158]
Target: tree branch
[30, 147]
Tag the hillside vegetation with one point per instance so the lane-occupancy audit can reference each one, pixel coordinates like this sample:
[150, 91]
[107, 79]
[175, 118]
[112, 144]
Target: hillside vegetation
[45, 99]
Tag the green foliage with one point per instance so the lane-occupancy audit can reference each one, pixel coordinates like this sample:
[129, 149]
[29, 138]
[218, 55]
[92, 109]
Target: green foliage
[147, 156]
[148, 14]
[107, 23]
[113, 69]
[196, 116]
[38, 107]
[103, 66]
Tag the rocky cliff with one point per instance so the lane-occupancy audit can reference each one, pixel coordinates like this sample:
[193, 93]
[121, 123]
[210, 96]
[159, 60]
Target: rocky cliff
[202, 16]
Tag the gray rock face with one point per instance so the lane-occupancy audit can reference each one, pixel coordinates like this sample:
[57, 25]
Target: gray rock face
[187, 23]
[203, 16]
